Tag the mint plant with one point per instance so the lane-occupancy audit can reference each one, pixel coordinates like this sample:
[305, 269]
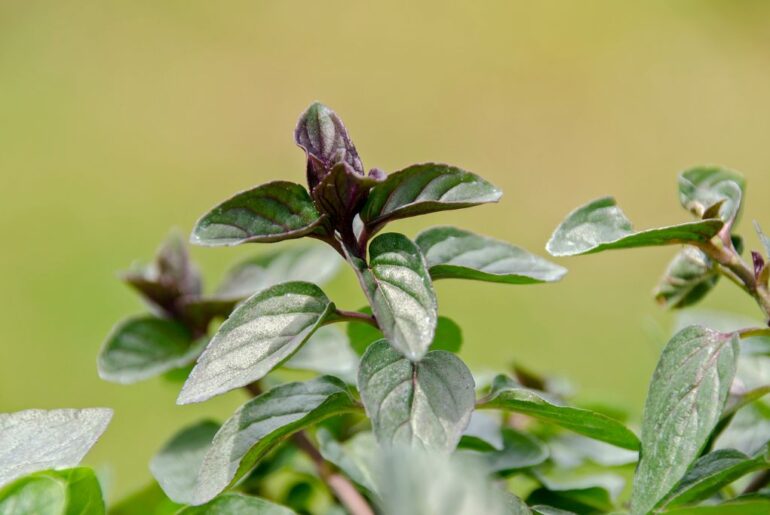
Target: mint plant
[371, 410]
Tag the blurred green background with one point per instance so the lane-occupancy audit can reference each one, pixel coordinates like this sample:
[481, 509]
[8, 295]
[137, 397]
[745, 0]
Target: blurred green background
[119, 120]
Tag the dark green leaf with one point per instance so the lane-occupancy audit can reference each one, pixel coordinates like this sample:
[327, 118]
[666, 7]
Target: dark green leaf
[705, 188]
[176, 466]
[323, 137]
[509, 395]
[34, 440]
[272, 212]
[237, 504]
[425, 188]
[400, 292]
[263, 332]
[448, 335]
[317, 264]
[143, 347]
[261, 424]
[54, 492]
[601, 225]
[458, 254]
[520, 451]
[711, 473]
[148, 501]
[426, 404]
[688, 278]
[685, 400]
[484, 433]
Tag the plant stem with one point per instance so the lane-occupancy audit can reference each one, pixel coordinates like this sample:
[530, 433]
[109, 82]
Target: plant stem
[758, 482]
[340, 486]
[728, 258]
[355, 316]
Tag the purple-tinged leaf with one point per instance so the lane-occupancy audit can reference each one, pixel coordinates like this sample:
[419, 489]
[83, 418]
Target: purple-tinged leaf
[322, 135]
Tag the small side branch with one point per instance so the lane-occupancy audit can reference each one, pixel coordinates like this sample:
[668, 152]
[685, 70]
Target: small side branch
[355, 316]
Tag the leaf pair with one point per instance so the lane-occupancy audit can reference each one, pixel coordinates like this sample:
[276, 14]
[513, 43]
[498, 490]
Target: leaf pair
[338, 191]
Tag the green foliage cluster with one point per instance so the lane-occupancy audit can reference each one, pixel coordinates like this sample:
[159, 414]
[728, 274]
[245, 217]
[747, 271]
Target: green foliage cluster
[371, 410]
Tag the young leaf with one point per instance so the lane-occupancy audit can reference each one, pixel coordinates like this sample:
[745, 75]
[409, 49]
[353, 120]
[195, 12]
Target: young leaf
[271, 212]
[688, 278]
[711, 473]
[400, 292]
[458, 254]
[355, 457]
[510, 396]
[263, 332]
[323, 137]
[311, 263]
[143, 347]
[261, 424]
[703, 188]
[237, 503]
[687, 394]
[425, 188]
[601, 225]
[342, 193]
[54, 492]
[316, 264]
[176, 466]
[34, 440]
[425, 404]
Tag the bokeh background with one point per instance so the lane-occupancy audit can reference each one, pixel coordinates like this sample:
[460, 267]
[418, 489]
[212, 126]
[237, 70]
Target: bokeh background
[120, 120]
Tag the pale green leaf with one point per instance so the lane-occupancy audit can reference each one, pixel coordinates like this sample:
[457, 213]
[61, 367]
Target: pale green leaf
[176, 466]
[400, 292]
[520, 451]
[261, 424]
[684, 403]
[263, 332]
[425, 404]
[328, 351]
[601, 225]
[355, 457]
[34, 440]
[455, 253]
